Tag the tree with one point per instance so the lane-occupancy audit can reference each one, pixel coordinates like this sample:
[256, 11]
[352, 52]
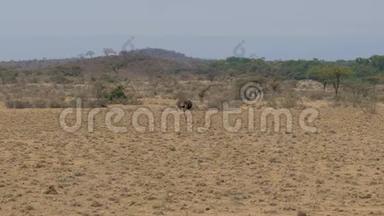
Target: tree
[124, 53]
[321, 74]
[362, 61]
[109, 51]
[376, 79]
[377, 61]
[90, 53]
[117, 94]
[339, 72]
[330, 74]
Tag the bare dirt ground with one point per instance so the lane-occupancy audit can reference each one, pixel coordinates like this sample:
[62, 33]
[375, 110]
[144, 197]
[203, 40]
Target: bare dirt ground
[46, 171]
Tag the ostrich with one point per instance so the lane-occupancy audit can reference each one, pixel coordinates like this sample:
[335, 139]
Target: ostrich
[184, 104]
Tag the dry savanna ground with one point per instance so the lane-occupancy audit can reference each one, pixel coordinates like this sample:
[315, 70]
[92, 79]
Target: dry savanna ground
[47, 171]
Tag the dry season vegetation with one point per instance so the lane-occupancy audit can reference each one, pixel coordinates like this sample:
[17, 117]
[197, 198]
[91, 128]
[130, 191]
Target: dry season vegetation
[132, 76]
[47, 171]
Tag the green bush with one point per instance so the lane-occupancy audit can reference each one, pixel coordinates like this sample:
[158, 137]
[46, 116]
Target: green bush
[73, 71]
[8, 77]
[117, 94]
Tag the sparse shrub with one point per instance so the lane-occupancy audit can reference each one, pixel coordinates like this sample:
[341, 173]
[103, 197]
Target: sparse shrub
[99, 90]
[72, 71]
[117, 66]
[370, 106]
[219, 94]
[216, 102]
[57, 104]
[183, 95]
[291, 100]
[287, 100]
[357, 91]
[271, 101]
[59, 79]
[358, 94]
[203, 93]
[275, 86]
[380, 98]
[89, 103]
[7, 77]
[97, 103]
[243, 81]
[317, 95]
[109, 78]
[35, 103]
[17, 104]
[40, 103]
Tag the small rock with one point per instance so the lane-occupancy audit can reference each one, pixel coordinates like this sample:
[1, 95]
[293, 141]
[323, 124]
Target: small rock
[96, 204]
[29, 208]
[51, 190]
[367, 196]
[300, 213]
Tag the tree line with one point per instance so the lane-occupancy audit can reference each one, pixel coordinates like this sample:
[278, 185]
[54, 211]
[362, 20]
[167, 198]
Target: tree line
[329, 73]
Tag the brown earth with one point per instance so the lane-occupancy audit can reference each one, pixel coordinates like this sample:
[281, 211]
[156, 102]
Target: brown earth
[47, 171]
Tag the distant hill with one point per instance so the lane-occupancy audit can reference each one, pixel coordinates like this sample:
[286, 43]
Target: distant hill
[160, 53]
[153, 62]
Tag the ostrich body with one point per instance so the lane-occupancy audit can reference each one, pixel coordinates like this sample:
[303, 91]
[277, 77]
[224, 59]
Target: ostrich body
[184, 105]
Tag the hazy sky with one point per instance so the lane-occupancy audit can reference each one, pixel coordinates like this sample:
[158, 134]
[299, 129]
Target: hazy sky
[205, 28]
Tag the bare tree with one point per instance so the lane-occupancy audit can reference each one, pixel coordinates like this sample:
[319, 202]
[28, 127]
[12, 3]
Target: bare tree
[90, 54]
[109, 52]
